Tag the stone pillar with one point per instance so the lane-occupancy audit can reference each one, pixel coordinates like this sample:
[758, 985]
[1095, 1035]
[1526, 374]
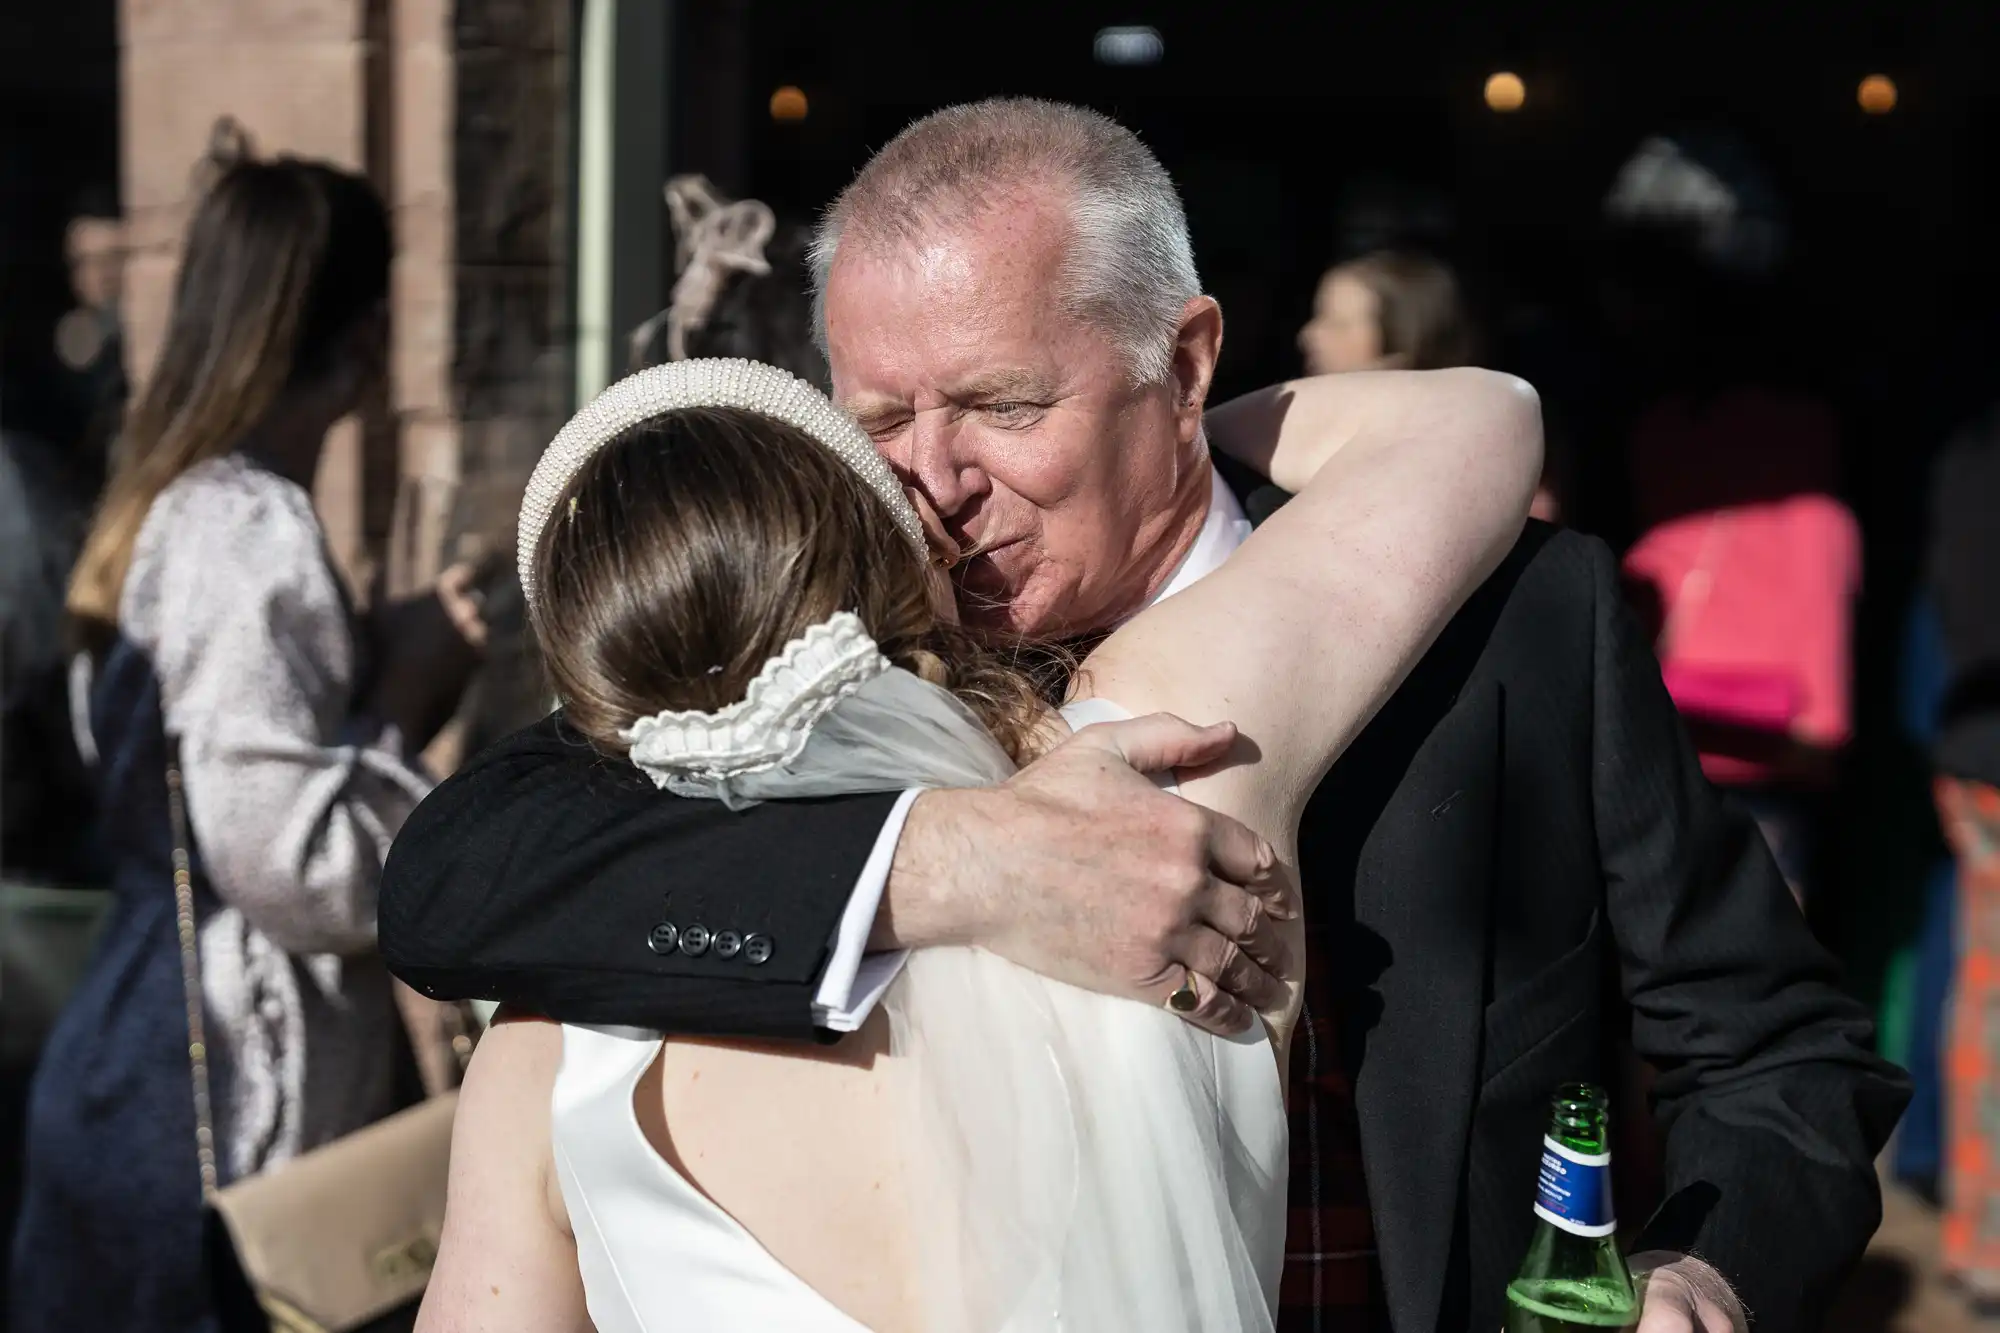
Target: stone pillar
[509, 276]
[510, 374]
[419, 93]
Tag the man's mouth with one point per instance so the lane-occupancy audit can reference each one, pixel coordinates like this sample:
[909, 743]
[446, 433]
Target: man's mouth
[976, 572]
[959, 547]
[971, 549]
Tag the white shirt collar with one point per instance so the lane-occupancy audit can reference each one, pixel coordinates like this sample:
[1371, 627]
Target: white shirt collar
[1225, 529]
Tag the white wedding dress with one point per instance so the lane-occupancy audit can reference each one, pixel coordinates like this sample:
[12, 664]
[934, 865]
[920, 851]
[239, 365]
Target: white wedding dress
[1080, 1163]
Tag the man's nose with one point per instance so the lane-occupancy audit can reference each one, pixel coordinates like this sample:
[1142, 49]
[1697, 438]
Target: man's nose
[933, 469]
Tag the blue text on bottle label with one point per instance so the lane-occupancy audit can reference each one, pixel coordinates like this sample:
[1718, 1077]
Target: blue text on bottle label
[1574, 1190]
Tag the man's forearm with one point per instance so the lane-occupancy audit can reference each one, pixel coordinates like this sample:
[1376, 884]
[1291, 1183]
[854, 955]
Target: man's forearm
[926, 904]
[1080, 868]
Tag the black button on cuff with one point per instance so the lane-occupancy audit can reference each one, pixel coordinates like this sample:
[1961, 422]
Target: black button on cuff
[664, 938]
[728, 944]
[757, 949]
[694, 941]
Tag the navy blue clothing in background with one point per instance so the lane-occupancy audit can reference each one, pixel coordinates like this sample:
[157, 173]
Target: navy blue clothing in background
[109, 1235]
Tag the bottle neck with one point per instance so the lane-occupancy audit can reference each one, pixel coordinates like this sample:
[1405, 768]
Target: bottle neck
[1573, 1189]
[1580, 1119]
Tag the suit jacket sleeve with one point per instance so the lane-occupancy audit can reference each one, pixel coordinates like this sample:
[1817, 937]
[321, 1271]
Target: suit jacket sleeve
[538, 874]
[1772, 1103]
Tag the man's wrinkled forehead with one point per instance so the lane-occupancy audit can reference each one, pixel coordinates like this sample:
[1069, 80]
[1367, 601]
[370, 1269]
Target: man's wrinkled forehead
[941, 261]
[944, 307]
[1013, 204]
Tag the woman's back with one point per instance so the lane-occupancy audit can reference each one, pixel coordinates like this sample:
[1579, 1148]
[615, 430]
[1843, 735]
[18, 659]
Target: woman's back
[735, 1184]
[818, 1188]
[771, 1187]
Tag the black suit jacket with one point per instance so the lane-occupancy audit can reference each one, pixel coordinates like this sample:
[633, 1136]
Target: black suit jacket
[1516, 859]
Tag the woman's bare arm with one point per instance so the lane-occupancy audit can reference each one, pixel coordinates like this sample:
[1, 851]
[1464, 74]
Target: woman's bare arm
[1422, 484]
[1289, 431]
[507, 1261]
[1416, 485]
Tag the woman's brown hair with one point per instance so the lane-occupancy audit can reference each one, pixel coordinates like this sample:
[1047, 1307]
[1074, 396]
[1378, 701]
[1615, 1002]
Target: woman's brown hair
[693, 548]
[282, 258]
[1421, 313]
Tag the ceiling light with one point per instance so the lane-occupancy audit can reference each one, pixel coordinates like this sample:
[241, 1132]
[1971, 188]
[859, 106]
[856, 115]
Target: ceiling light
[788, 103]
[1877, 94]
[1505, 92]
[1128, 46]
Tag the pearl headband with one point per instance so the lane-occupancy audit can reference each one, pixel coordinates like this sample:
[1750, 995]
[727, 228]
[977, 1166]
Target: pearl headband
[750, 386]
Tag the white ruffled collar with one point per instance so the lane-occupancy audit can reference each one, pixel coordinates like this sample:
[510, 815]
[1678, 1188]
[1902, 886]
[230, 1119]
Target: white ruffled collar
[691, 752]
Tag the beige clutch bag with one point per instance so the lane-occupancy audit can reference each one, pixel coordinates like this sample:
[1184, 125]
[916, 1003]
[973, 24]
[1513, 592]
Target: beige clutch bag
[341, 1237]
[336, 1240]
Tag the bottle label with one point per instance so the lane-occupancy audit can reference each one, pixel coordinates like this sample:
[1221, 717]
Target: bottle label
[1574, 1190]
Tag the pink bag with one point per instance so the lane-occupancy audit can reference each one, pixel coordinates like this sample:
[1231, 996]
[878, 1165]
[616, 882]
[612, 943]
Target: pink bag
[1763, 698]
[1735, 696]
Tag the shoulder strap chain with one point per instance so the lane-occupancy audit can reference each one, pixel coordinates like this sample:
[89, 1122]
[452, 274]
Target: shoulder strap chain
[204, 1123]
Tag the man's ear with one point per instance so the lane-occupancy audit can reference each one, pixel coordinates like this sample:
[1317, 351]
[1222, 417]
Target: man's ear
[1197, 345]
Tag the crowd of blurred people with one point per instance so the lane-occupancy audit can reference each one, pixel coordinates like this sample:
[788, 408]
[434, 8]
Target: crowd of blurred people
[176, 583]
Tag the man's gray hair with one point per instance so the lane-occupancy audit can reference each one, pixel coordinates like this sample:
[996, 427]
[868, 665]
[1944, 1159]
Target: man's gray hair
[1130, 267]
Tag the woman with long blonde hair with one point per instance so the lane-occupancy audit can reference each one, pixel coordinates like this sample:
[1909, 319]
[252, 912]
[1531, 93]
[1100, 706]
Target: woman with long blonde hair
[221, 643]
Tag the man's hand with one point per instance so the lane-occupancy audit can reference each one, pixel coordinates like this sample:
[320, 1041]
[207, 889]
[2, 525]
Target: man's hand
[1684, 1295]
[1081, 869]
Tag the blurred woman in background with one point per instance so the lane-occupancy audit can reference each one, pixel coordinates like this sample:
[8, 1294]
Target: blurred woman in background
[222, 640]
[1389, 310]
[1397, 310]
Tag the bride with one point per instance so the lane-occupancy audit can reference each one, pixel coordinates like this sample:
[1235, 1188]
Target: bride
[733, 592]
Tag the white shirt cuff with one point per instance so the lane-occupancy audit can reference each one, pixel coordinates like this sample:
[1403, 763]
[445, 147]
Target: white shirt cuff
[854, 978]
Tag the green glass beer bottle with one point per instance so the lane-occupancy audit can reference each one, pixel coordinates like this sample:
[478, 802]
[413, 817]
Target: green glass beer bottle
[1573, 1278]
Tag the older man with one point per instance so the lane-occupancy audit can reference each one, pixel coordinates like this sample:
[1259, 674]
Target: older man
[1012, 311]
